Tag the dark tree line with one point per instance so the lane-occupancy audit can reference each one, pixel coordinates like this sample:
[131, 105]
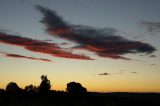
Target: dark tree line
[75, 95]
[73, 88]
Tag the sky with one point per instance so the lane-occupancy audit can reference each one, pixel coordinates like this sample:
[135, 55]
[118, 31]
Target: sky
[106, 45]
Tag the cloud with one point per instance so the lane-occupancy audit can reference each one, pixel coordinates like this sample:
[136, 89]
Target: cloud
[104, 42]
[153, 56]
[48, 40]
[104, 74]
[134, 72]
[39, 46]
[24, 57]
[152, 64]
[149, 26]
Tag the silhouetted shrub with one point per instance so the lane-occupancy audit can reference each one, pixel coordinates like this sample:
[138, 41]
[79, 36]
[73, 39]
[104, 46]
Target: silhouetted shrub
[45, 86]
[74, 88]
[12, 87]
[2, 91]
[31, 88]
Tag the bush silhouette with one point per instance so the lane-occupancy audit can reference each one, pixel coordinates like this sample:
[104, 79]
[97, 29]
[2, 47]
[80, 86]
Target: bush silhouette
[12, 87]
[2, 91]
[75, 88]
[45, 86]
[31, 88]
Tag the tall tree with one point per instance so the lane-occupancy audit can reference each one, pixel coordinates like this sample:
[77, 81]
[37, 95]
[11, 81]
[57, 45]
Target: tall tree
[44, 85]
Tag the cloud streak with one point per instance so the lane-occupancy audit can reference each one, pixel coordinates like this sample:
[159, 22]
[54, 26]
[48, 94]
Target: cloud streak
[39, 46]
[104, 42]
[24, 57]
[149, 26]
[104, 74]
[134, 72]
[153, 56]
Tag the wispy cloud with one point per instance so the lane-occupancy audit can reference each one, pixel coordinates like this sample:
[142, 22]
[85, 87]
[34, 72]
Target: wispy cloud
[152, 64]
[104, 74]
[104, 42]
[153, 56]
[134, 72]
[48, 40]
[149, 26]
[24, 57]
[38, 46]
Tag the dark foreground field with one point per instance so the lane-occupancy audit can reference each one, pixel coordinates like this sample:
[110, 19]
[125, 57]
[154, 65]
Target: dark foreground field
[90, 99]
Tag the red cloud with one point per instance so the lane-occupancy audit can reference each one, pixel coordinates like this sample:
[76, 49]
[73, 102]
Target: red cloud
[102, 41]
[25, 57]
[39, 46]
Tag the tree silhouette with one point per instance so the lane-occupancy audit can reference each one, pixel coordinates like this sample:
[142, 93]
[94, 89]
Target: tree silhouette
[44, 85]
[12, 87]
[75, 88]
[29, 88]
[2, 91]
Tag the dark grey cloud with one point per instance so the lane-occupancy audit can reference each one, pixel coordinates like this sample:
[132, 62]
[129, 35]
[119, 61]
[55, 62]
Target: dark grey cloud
[51, 19]
[48, 40]
[104, 42]
[104, 74]
[153, 56]
[149, 26]
[152, 64]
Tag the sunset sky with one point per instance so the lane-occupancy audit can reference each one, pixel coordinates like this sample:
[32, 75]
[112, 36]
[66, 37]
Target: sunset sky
[106, 45]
